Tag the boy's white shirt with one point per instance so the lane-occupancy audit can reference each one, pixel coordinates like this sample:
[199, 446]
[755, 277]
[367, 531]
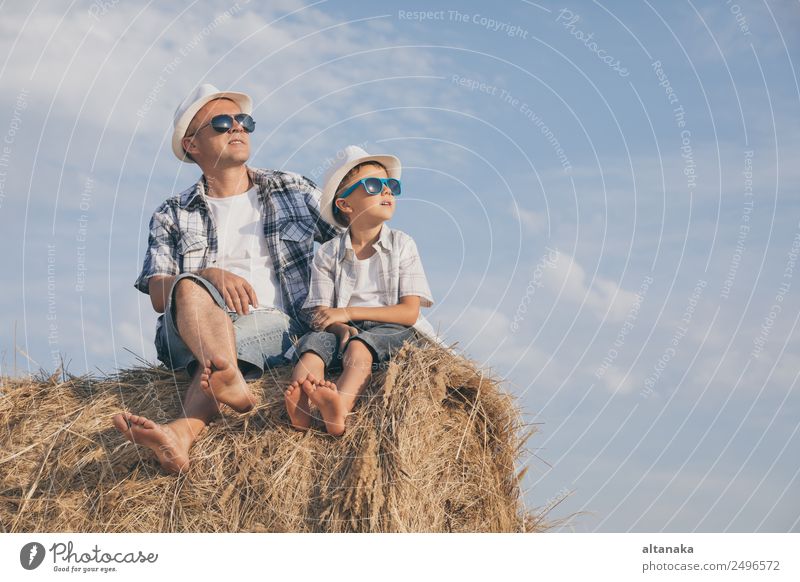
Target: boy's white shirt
[334, 272]
[365, 290]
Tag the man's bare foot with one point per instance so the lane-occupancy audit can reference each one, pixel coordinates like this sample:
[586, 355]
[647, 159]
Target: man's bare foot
[224, 382]
[326, 397]
[297, 406]
[160, 439]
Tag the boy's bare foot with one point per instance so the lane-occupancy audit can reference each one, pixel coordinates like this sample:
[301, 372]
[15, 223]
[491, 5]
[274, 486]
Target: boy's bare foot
[297, 406]
[326, 397]
[224, 382]
[158, 438]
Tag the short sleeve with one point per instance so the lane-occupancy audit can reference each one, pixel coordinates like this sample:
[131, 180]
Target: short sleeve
[412, 275]
[321, 291]
[161, 255]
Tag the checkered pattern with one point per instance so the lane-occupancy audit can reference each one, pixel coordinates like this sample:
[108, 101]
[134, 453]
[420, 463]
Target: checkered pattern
[333, 272]
[183, 236]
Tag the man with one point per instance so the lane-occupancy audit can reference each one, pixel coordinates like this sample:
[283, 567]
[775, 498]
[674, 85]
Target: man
[228, 265]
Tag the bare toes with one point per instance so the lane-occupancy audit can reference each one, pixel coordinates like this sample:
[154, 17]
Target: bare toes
[121, 422]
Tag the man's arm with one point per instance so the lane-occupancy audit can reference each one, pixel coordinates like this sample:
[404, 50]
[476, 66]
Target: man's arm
[235, 290]
[160, 260]
[159, 291]
[161, 268]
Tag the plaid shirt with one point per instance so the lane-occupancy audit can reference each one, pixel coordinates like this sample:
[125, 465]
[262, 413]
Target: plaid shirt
[333, 273]
[183, 236]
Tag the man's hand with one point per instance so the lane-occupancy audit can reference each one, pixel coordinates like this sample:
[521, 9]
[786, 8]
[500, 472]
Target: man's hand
[236, 291]
[325, 316]
[343, 332]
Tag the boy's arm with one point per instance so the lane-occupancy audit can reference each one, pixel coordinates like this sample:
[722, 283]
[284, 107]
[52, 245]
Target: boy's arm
[413, 292]
[321, 290]
[404, 313]
[412, 276]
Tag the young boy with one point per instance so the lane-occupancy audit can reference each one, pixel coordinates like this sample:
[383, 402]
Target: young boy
[367, 286]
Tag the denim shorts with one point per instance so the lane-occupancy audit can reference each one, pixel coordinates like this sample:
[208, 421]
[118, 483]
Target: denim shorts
[382, 339]
[262, 336]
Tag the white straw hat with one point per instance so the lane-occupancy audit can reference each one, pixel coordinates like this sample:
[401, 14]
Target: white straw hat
[192, 104]
[346, 160]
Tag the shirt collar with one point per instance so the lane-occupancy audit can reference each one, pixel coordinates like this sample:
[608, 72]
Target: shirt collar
[384, 241]
[198, 191]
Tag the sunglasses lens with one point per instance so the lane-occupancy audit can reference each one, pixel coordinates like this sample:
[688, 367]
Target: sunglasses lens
[373, 186]
[246, 121]
[223, 123]
[394, 186]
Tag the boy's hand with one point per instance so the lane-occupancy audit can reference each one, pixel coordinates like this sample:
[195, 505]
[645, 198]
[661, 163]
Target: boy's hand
[325, 316]
[343, 332]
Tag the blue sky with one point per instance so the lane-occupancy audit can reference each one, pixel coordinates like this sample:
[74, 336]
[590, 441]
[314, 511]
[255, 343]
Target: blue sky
[604, 196]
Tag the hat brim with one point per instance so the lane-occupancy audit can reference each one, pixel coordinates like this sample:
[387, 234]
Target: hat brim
[244, 102]
[393, 169]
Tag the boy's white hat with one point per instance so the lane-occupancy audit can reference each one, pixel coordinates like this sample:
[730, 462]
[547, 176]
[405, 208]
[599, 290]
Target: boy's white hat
[192, 104]
[346, 160]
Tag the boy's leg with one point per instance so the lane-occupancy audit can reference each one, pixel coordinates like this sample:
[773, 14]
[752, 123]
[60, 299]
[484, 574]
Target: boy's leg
[309, 369]
[357, 369]
[336, 400]
[314, 353]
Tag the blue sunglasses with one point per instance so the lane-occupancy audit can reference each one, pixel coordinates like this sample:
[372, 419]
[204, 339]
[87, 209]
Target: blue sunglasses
[374, 186]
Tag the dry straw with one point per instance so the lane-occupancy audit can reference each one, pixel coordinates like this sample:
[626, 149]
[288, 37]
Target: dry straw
[434, 445]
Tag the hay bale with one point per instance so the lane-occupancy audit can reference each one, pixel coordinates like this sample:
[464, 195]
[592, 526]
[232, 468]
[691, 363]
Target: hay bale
[432, 447]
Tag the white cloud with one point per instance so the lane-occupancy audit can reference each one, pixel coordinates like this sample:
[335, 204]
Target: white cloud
[617, 380]
[532, 222]
[131, 60]
[604, 297]
[484, 333]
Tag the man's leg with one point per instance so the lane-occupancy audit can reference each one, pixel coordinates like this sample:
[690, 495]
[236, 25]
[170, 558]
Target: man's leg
[208, 332]
[171, 442]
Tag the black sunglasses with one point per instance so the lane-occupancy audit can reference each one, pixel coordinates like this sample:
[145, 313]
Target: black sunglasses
[224, 122]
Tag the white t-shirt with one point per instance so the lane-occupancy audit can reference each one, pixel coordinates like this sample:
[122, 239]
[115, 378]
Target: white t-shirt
[365, 288]
[242, 246]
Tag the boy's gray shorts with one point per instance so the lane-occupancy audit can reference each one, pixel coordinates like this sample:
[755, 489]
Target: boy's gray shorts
[382, 339]
[262, 336]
